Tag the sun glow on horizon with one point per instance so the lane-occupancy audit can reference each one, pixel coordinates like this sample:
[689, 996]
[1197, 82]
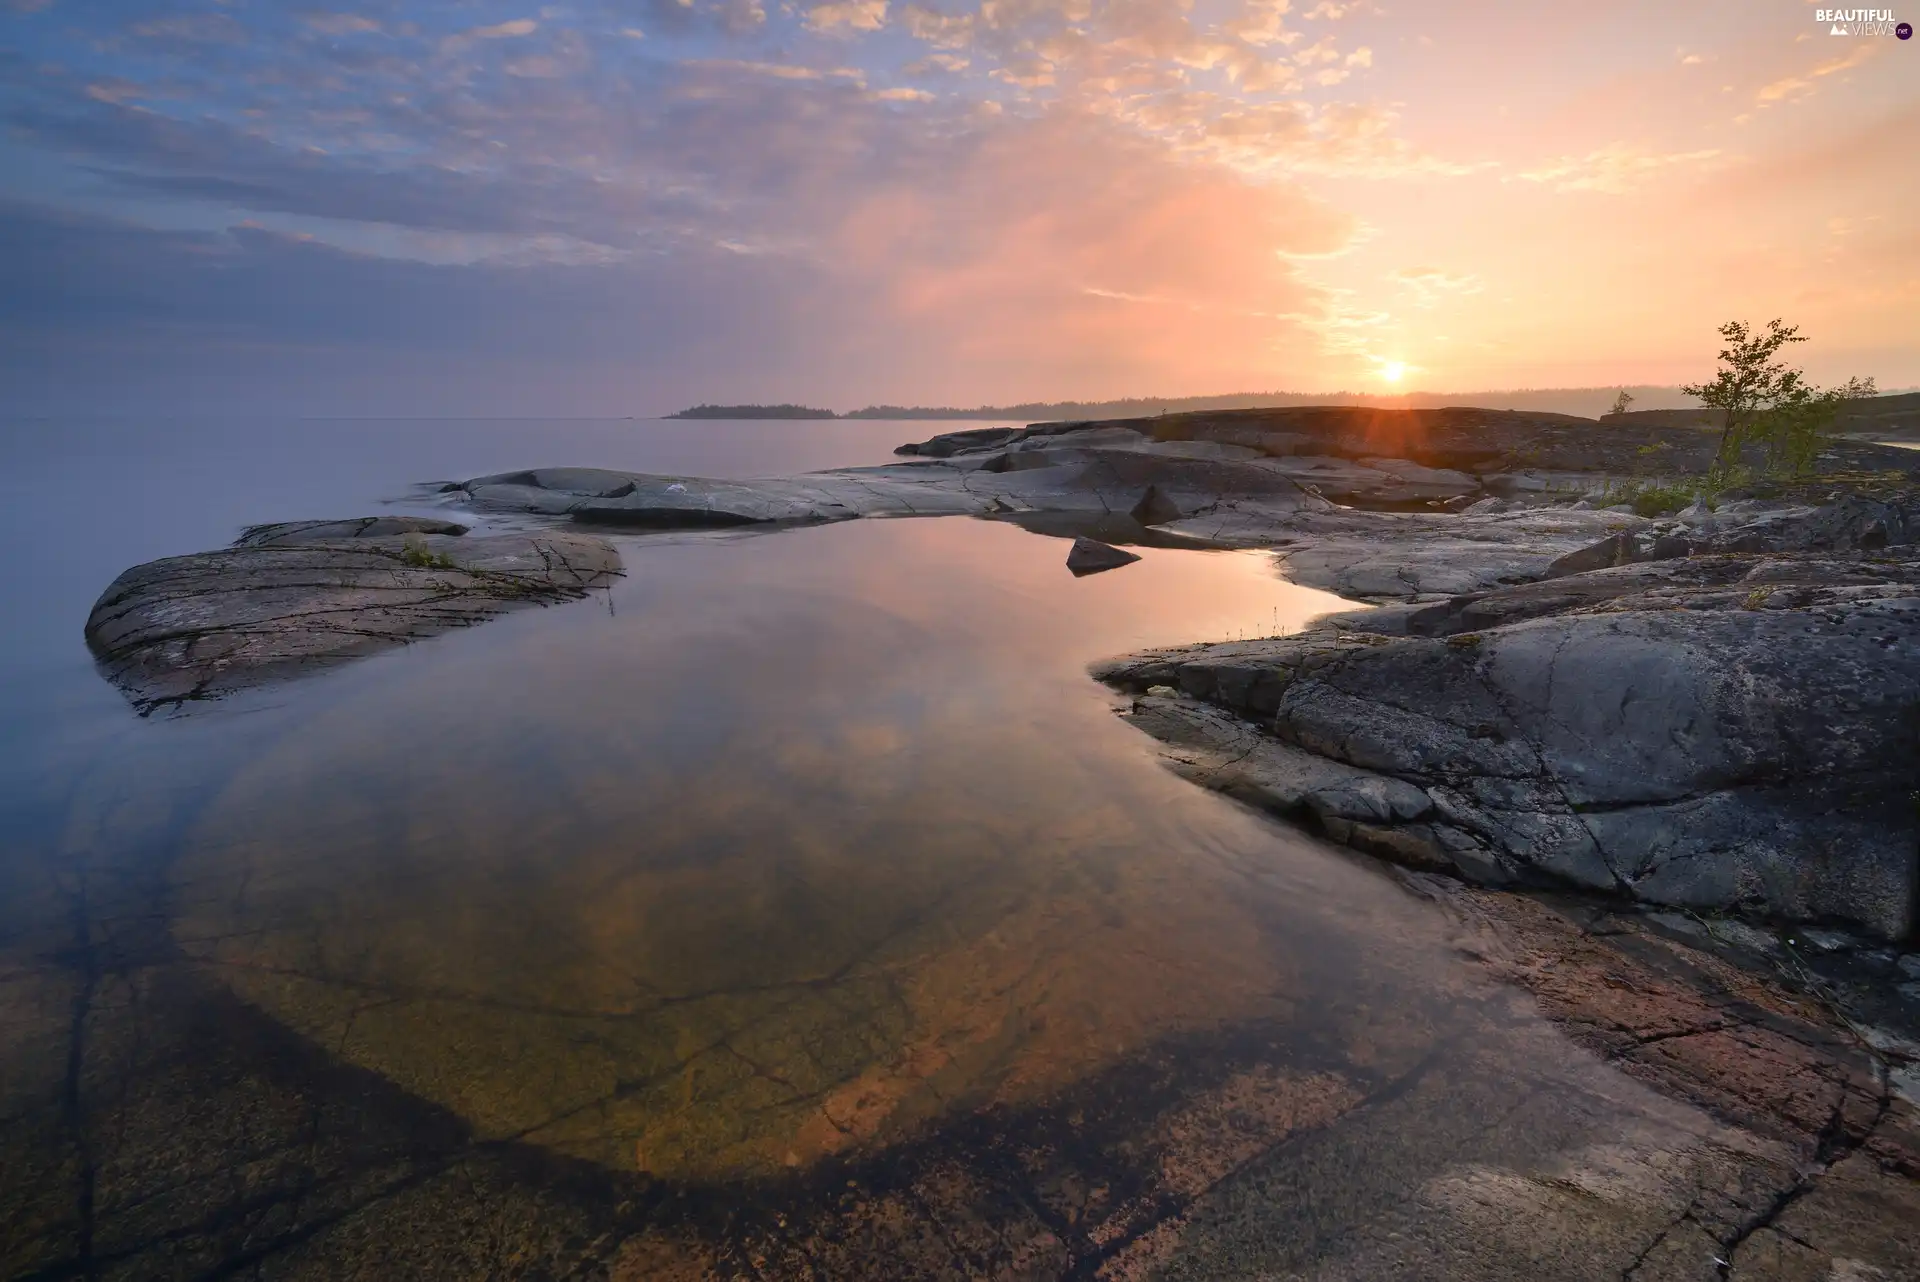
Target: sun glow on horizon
[1392, 371]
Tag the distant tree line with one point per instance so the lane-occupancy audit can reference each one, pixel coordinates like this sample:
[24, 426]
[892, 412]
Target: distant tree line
[1567, 400]
[1795, 412]
[753, 411]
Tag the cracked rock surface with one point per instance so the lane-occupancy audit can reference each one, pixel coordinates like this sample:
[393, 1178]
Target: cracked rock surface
[1729, 732]
[292, 599]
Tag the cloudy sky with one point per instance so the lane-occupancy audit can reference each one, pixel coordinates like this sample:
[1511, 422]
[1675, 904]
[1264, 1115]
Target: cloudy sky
[623, 206]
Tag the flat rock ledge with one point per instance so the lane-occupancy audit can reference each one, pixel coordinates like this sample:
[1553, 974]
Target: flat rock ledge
[1731, 732]
[1376, 505]
[1137, 491]
[294, 599]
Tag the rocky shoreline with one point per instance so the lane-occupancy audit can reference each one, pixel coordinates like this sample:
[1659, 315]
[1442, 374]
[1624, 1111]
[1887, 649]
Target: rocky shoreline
[1711, 710]
[1717, 710]
[1654, 772]
[1714, 731]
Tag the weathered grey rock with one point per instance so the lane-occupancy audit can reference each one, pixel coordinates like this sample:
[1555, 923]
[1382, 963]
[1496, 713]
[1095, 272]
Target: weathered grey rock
[361, 527]
[1402, 556]
[1097, 481]
[1090, 556]
[1114, 437]
[1734, 732]
[1196, 480]
[1696, 515]
[1377, 482]
[1515, 451]
[1155, 508]
[1852, 523]
[1787, 581]
[277, 605]
[1207, 501]
[598, 496]
[1220, 751]
[947, 444]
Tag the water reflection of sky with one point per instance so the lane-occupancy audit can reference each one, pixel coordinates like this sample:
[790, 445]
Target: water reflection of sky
[787, 843]
[791, 842]
[783, 858]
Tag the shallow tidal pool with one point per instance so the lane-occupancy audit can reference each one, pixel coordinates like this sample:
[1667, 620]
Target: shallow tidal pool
[793, 864]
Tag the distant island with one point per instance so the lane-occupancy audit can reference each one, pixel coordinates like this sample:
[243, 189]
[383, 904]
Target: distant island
[753, 411]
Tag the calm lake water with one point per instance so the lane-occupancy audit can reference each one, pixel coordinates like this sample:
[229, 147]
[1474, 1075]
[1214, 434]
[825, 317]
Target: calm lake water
[790, 846]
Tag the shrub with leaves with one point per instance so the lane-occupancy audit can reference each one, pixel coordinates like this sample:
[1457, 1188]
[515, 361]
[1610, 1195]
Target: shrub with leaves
[1765, 401]
[1798, 426]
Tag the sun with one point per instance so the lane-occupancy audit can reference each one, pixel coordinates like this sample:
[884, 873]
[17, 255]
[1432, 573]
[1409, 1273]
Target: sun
[1392, 371]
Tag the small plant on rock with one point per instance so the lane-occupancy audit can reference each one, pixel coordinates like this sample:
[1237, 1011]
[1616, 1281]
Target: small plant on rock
[1652, 498]
[417, 554]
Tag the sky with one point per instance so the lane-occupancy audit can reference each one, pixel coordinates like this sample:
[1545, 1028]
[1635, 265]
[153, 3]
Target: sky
[626, 206]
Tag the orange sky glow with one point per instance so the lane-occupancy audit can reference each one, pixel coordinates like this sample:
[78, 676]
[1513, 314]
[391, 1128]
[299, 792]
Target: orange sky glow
[1489, 196]
[620, 205]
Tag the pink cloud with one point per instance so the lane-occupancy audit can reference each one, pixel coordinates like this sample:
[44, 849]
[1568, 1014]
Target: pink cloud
[1067, 248]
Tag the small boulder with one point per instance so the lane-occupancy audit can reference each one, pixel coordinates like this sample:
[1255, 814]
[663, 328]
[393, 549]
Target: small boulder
[1155, 508]
[1090, 556]
[1695, 515]
[1615, 550]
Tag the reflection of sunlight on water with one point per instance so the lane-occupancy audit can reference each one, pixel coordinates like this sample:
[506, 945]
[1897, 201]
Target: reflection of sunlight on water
[813, 837]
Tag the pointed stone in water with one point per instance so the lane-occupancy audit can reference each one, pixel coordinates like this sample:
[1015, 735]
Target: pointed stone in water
[1090, 556]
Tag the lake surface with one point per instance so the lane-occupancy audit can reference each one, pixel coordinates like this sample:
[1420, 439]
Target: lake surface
[790, 851]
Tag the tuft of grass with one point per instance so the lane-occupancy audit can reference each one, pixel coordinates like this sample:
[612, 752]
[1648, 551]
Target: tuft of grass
[1651, 498]
[417, 554]
[1662, 500]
